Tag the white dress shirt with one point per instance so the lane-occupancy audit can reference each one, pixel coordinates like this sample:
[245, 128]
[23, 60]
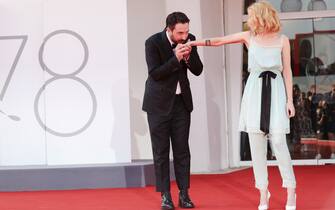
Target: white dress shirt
[178, 90]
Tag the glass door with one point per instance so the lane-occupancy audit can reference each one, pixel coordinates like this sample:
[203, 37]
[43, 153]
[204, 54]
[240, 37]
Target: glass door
[324, 99]
[310, 27]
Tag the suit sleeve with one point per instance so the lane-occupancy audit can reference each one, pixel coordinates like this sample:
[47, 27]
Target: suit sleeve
[194, 62]
[157, 70]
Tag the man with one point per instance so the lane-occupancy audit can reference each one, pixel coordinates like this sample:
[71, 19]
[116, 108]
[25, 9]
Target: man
[168, 103]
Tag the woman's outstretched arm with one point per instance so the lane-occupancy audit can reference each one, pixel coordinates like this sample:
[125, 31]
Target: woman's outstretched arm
[287, 74]
[242, 37]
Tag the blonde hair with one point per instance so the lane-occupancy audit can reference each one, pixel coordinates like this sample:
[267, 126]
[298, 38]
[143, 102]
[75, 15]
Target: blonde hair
[263, 18]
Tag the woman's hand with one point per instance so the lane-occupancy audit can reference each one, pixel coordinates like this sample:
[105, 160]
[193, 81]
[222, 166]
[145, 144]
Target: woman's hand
[290, 110]
[190, 43]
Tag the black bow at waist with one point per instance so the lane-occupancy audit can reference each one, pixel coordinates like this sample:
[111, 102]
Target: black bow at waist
[266, 100]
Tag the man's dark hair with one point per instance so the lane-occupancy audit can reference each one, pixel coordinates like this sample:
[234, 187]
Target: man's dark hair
[174, 18]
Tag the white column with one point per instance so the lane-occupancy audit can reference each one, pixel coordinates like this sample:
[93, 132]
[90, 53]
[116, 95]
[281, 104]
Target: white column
[199, 122]
[233, 17]
[143, 21]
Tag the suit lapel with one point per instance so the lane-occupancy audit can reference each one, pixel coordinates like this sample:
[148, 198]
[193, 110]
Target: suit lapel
[166, 44]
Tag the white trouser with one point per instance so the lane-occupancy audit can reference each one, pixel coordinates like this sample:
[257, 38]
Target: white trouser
[258, 148]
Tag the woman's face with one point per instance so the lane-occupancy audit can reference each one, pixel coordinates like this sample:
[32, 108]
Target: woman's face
[324, 104]
[296, 91]
[320, 104]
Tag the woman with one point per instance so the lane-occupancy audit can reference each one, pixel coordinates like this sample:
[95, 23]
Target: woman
[267, 102]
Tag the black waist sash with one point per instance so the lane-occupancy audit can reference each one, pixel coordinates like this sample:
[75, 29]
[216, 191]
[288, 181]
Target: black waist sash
[266, 100]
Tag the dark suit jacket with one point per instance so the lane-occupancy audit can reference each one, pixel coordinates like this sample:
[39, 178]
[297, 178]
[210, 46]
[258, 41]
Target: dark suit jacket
[164, 72]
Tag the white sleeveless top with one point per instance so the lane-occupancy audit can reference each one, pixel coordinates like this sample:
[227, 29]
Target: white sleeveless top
[264, 58]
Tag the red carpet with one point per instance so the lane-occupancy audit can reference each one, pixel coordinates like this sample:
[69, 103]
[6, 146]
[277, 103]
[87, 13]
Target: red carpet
[234, 191]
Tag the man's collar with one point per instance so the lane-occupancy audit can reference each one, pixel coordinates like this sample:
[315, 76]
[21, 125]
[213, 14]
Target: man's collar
[168, 37]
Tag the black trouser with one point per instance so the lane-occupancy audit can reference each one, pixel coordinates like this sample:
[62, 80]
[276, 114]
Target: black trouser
[176, 127]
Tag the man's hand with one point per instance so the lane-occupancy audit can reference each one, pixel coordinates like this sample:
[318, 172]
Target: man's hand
[187, 52]
[182, 51]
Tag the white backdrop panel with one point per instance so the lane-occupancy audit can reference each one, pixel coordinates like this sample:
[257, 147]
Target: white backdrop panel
[70, 101]
[81, 98]
[22, 142]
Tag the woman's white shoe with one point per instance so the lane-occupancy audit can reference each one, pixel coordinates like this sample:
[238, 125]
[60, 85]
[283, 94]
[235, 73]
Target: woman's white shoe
[292, 207]
[265, 206]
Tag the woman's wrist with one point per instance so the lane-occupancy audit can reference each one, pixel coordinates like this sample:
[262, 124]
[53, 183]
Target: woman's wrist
[208, 42]
[289, 101]
[191, 43]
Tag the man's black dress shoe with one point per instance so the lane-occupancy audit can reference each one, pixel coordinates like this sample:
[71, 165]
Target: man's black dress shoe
[167, 203]
[184, 200]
